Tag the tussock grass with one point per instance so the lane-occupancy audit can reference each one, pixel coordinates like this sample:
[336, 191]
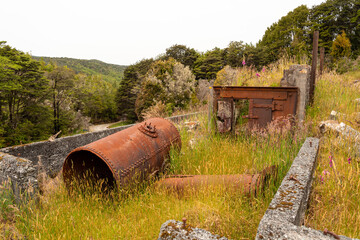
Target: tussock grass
[335, 200]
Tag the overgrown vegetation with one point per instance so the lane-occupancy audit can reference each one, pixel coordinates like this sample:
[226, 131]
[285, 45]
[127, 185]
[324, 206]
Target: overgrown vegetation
[139, 214]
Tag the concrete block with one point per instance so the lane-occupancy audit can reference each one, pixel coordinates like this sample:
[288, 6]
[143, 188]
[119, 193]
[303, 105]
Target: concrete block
[175, 230]
[298, 76]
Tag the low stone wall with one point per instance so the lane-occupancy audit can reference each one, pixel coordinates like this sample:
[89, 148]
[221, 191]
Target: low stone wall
[285, 215]
[50, 155]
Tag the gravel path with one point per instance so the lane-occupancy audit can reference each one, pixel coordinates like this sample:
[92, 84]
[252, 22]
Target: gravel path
[101, 127]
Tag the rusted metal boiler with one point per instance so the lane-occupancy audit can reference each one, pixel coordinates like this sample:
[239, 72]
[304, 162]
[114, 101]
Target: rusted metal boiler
[138, 151]
[250, 184]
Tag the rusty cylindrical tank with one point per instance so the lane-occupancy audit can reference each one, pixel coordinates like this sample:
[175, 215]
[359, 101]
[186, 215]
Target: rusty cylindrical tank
[249, 184]
[139, 150]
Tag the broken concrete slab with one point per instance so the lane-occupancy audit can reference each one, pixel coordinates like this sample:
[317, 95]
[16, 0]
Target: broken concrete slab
[175, 230]
[19, 174]
[339, 128]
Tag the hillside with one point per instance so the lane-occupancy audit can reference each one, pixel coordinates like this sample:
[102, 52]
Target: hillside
[110, 72]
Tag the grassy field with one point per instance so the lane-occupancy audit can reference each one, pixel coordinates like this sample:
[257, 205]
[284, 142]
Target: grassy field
[335, 200]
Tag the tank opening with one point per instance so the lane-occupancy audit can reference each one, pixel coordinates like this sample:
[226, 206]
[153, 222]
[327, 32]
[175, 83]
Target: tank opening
[241, 114]
[88, 171]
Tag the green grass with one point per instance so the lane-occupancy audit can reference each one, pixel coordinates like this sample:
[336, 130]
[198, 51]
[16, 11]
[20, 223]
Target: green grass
[119, 124]
[139, 214]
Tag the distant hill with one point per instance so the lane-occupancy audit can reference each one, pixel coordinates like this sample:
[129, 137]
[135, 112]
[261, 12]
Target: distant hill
[110, 72]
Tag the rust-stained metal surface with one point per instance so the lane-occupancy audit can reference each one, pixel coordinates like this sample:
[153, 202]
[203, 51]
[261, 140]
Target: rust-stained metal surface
[265, 104]
[247, 183]
[137, 151]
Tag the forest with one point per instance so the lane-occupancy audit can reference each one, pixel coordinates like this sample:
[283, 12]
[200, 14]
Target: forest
[40, 96]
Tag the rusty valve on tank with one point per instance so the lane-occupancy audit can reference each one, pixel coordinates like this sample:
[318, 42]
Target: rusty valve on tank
[148, 129]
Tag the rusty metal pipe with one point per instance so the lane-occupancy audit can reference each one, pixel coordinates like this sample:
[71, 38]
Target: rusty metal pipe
[249, 184]
[140, 150]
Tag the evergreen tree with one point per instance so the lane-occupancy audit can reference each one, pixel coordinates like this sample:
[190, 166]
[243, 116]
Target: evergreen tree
[129, 88]
[208, 64]
[184, 55]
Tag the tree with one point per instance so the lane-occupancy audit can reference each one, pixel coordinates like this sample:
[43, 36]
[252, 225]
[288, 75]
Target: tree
[290, 33]
[227, 76]
[184, 55]
[129, 88]
[167, 81]
[334, 16]
[95, 98]
[61, 85]
[208, 64]
[341, 47]
[22, 82]
[23, 89]
[235, 53]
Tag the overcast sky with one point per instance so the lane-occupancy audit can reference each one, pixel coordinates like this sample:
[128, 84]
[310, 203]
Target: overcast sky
[123, 32]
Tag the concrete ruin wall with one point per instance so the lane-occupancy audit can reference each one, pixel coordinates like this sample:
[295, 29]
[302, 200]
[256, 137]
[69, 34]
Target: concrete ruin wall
[298, 76]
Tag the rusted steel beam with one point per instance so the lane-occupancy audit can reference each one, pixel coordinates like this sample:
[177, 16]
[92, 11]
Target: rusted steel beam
[313, 66]
[277, 93]
[249, 184]
[138, 151]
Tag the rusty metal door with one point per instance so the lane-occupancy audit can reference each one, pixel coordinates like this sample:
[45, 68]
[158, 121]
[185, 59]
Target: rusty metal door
[260, 112]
